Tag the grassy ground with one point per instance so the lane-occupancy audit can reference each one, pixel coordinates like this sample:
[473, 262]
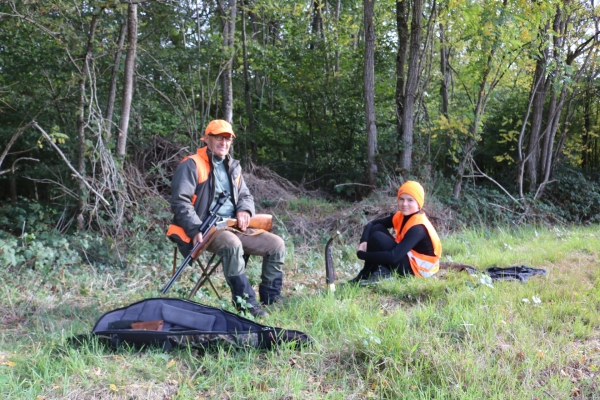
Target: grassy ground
[454, 336]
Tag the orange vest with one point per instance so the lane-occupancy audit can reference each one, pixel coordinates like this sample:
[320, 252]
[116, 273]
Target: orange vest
[203, 168]
[421, 264]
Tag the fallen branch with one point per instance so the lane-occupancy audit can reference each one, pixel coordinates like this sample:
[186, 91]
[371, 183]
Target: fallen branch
[35, 125]
[353, 184]
[66, 191]
[13, 169]
[484, 175]
[12, 140]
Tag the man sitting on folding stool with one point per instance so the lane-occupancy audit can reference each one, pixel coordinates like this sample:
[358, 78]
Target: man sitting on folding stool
[195, 188]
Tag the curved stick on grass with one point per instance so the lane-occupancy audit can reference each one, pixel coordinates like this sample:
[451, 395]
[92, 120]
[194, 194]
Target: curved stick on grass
[329, 267]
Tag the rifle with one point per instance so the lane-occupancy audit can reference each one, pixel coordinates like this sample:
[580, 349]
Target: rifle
[208, 223]
[212, 225]
[258, 221]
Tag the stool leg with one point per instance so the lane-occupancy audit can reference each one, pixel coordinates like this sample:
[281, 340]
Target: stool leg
[206, 273]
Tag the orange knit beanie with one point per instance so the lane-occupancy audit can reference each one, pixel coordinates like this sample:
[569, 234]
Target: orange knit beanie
[415, 190]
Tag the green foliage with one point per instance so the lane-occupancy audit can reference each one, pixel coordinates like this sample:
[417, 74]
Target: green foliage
[29, 236]
[573, 197]
[305, 87]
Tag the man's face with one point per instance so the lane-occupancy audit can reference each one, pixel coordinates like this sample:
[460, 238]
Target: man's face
[219, 144]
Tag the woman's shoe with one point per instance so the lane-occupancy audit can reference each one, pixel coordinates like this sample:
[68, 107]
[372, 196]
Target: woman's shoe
[380, 274]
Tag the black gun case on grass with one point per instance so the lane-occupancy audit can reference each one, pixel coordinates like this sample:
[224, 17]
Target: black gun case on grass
[175, 322]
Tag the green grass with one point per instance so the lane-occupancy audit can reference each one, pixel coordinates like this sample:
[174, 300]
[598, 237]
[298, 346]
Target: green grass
[449, 337]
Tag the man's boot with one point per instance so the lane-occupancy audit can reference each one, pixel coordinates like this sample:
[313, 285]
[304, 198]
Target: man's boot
[272, 278]
[270, 294]
[234, 269]
[243, 296]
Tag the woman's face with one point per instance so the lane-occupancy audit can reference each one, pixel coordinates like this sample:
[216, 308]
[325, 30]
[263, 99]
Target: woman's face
[407, 204]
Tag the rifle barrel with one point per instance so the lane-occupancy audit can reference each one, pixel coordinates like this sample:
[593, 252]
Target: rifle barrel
[208, 223]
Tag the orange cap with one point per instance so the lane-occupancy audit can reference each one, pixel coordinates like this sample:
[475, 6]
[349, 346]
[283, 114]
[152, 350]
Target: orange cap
[217, 127]
[415, 190]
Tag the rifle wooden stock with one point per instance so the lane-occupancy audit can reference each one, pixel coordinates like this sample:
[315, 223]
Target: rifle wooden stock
[259, 221]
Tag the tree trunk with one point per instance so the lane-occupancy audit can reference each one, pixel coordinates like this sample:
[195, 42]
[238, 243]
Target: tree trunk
[247, 94]
[444, 94]
[467, 151]
[587, 127]
[338, 7]
[316, 24]
[128, 81]
[13, 189]
[412, 80]
[369, 82]
[402, 28]
[471, 142]
[81, 121]
[533, 148]
[546, 137]
[112, 93]
[228, 9]
[546, 167]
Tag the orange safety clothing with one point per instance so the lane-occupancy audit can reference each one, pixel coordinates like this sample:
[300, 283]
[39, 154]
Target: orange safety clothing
[422, 265]
[206, 194]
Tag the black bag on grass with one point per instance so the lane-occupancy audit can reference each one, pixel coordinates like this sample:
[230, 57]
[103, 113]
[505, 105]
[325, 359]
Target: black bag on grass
[516, 273]
[176, 322]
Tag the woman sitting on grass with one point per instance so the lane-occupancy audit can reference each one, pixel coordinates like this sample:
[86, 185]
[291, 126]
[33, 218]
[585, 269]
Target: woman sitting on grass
[416, 249]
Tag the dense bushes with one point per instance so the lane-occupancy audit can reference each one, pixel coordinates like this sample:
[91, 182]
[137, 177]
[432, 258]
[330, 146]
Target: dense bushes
[573, 197]
[36, 235]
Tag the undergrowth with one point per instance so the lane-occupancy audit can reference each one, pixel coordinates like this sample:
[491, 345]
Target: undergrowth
[455, 336]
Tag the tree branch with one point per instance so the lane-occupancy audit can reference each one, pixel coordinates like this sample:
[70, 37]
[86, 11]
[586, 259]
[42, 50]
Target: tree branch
[483, 175]
[12, 141]
[35, 125]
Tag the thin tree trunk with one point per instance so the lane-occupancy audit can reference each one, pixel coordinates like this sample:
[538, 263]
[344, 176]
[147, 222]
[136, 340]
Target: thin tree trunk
[13, 189]
[554, 122]
[112, 93]
[587, 127]
[247, 94]
[546, 138]
[533, 148]
[316, 24]
[467, 151]
[565, 132]
[520, 157]
[444, 94]
[128, 81]
[402, 28]
[338, 7]
[469, 146]
[369, 82]
[81, 120]
[412, 80]
[228, 9]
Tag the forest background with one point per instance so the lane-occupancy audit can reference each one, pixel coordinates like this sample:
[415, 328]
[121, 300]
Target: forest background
[100, 100]
[492, 105]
